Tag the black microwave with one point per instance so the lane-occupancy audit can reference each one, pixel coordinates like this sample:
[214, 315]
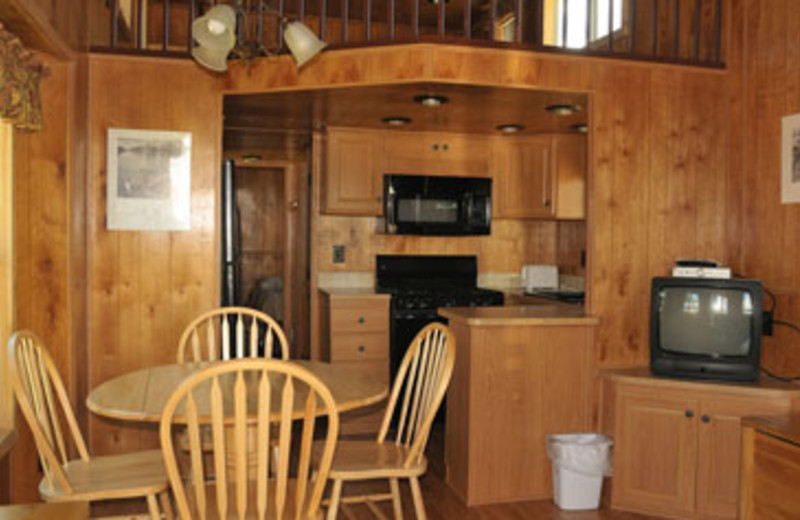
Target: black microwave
[435, 205]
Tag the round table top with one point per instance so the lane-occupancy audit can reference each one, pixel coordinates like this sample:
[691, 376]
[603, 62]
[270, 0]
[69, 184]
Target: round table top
[141, 395]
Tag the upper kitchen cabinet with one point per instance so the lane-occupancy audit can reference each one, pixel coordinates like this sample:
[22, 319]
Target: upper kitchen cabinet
[353, 177]
[430, 153]
[540, 177]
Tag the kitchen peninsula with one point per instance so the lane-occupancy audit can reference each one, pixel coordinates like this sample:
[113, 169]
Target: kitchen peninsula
[522, 373]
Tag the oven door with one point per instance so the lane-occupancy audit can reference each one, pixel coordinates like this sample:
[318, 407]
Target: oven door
[421, 205]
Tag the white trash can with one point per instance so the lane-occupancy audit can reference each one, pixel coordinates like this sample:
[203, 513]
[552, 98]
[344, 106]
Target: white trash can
[580, 461]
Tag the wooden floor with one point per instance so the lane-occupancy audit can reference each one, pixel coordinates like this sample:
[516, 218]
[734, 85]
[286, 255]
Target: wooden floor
[440, 502]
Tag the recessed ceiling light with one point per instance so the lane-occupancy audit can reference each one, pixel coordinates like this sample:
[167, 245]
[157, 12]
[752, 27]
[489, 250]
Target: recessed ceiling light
[562, 109]
[431, 100]
[512, 128]
[581, 127]
[396, 120]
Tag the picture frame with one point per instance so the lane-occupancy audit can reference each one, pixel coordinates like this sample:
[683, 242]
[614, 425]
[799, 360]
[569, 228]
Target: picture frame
[148, 180]
[790, 159]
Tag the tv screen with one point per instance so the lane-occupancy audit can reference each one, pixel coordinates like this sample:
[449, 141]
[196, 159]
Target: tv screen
[706, 328]
[707, 321]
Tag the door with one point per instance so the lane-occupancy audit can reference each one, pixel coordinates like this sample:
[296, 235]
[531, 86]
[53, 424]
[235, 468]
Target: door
[525, 177]
[353, 173]
[655, 451]
[719, 450]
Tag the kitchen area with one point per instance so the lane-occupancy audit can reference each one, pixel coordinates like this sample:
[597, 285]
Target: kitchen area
[457, 204]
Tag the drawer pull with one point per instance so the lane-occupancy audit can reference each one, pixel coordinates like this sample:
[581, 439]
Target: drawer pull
[361, 319]
[361, 349]
[706, 419]
[689, 414]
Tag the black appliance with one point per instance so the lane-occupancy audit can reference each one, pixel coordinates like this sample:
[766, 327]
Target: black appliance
[561, 295]
[231, 240]
[428, 205]
[419, 285]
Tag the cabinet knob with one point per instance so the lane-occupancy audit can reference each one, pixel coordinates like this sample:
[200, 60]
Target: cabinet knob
[361, 349]
[361, 319]
[547, 203]
[445, 147]
[706, 419]
[435, 147]
[689, 414]
[378, 198]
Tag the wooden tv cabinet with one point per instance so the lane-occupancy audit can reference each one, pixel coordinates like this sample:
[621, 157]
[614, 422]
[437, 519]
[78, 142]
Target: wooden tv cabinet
[677, 442]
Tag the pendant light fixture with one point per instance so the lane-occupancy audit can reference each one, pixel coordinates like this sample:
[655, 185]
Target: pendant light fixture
[217, 37]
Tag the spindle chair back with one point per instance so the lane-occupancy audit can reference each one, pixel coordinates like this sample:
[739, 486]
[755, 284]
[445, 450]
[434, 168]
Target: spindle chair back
[262, 392]
[232, 333]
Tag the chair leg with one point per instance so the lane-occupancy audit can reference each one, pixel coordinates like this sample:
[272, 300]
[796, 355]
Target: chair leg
[152, 506]
[396, 503]
[333, 504]
[416, 493]
[166, 505]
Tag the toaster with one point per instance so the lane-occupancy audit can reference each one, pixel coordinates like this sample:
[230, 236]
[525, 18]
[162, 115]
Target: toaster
[539, 277]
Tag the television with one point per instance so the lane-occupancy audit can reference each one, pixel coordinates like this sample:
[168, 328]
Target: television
[705, 328]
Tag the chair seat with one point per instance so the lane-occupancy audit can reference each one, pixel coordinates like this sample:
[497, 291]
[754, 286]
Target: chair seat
[364, 460]
[129, 475]
[252, 499]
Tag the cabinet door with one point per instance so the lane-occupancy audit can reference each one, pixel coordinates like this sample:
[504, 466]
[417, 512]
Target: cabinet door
[655, 451]
[524, 173]
[354, 173]
[719, 450]
[437, 154]
[570, 185]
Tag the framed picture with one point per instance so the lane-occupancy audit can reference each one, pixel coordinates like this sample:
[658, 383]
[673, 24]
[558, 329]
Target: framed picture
[790, 159]
[149, 180]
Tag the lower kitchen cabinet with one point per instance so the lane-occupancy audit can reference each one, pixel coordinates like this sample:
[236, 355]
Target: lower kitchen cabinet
[677, 443]
[355, 333]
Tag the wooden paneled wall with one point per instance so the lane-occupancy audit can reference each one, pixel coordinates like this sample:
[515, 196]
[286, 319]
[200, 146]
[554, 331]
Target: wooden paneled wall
[765, 234]
[658, 158]
[144, 287]
[56, 27]
[50, 265]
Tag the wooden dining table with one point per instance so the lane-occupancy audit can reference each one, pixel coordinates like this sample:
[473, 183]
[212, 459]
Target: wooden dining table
[140, 396]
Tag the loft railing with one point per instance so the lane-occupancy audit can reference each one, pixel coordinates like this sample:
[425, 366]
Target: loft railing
[677, 31]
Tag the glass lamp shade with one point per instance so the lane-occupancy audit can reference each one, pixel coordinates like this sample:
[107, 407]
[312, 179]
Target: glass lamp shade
[211, 58]
[216, 29]
[302, 42]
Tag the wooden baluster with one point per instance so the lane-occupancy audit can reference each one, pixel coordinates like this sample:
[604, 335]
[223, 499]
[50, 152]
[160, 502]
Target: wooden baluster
[142, 25]
[423, 367]
[306, 443]
[589, 6]
[239, 336]
[390, 21]
[440, 17]
[564, 23]
[166, 25]
[195, 342]
[676, 30]
[518, 27]
[254, 339]
[218, 435]
[655, 29]
[323, 19]
[698, 22]
[407, 396]
[240, 442]
[344, 16]
[415, 16]
[190, 20]
[195, 455]
[284, 445]
[226, 338]
[718, 32]
[281, 11]
[263, 448]
[633, 25]
[610, 25]
[468, 18]
[367, 20]
[260, 23]
[493, 4]
[114, 23]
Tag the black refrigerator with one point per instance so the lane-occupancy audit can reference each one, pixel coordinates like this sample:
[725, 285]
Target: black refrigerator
[231, 238]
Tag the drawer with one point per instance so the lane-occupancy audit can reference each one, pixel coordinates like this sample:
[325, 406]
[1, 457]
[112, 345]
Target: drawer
[377, 369]
[359, 346]
[359, 318]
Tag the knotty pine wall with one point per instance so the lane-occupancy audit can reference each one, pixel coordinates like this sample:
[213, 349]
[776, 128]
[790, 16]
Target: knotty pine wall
[658, 158]
[765, 234]
[49, 248]
[144, 287]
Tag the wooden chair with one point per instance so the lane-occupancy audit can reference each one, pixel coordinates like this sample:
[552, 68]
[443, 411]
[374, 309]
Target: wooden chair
[208, 337]
[45, 405]
[422, 380]
[262, 391]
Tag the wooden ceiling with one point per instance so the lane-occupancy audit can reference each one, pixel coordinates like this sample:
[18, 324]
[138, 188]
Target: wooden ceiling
[280, 119]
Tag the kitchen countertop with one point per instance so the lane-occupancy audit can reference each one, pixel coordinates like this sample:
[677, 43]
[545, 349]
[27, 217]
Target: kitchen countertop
[353, 291]
[544, 314]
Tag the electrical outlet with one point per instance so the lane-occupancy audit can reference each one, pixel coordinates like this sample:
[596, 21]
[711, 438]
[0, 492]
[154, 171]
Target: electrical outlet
[338, 254]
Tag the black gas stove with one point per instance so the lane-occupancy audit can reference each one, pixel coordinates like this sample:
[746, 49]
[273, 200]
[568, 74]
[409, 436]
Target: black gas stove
[420, 285]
